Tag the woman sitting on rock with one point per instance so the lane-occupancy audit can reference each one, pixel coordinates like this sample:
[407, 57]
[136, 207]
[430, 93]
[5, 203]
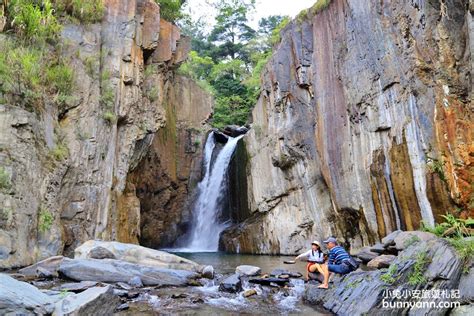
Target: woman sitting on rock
[314, 257]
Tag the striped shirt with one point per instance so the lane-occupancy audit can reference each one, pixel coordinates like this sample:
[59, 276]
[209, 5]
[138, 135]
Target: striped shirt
[337, 255]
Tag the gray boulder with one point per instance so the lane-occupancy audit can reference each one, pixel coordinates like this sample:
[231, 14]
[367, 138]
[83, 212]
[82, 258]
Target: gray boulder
[248, 270]
[93, 301]
[389, 240]
[365, 255]
[208, 272]
[110, 270]
[231, 284]
[48, 266]
[405, 239]
[466, 286]
[134, 254]
[21, 298]
[378, 248]
[101, 253]
[380, 262]
[292, 274]
[463, 310]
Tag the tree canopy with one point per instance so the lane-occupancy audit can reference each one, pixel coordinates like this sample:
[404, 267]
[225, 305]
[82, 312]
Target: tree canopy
[228, 59]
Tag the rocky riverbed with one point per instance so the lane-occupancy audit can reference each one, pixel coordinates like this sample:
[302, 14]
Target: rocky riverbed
[116, 278]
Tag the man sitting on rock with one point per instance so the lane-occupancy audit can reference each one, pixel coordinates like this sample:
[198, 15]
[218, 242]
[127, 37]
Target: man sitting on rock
[339, 261]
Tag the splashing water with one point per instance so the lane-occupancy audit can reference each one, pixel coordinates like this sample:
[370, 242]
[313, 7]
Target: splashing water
[207, 226]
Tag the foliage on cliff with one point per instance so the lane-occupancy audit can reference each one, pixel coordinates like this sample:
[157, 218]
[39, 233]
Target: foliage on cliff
[229, 59]
[32, 69]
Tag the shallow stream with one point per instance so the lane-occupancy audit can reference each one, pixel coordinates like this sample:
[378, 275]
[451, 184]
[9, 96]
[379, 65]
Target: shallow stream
[208, 300]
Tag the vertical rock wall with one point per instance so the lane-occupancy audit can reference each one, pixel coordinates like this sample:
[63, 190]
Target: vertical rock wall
[129, 60]
[364, 125]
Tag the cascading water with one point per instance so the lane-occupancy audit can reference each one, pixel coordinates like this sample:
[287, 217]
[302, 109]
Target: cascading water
[207, 225]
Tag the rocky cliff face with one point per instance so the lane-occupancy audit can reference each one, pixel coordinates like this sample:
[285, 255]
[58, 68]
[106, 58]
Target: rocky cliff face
[53, 205]
[364, 125]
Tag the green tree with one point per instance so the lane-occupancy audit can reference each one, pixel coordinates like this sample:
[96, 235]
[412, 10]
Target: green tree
[231, 30]
[170, 10]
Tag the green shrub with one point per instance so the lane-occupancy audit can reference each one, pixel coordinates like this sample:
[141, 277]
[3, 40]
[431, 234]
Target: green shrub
[413, 239]
[109, 117]
[60, 77]
[107, 97]
[465, 249]
[5, 183]
[59, 152]
[436, 166]
[152, 94]
[92, 64]
[32, 21]
[390, 276]
[170, 10]
[45, 220]
[416, 277]
[86, 11]
[438, 229]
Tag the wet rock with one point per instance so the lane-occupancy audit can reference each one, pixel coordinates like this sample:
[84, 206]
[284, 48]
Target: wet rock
[93, 301]
[380, 262]
[110, 270]
[220, 137]
[51, 265]
[75, 287]
[248, 270]
[197, 300]
[405, 239]
[123, 307]
[101, 253]
[133, 294]
[250, 292]
[18, 298]
[365, 255]
[316, 276]
[137, 254]
[231, 284]
[234, 130]
[180, 295]
[389, 240]
[268, 281]
[277, 272]
[208, 272]
[284, 276]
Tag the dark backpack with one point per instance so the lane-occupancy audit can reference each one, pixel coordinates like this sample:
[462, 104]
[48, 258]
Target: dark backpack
[352, 263]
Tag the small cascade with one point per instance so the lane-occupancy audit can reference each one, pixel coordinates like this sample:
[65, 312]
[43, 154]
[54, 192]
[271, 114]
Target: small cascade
[207, 223]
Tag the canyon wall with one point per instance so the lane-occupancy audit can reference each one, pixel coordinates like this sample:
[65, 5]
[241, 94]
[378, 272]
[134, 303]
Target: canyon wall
[364, 125]
[57, 201]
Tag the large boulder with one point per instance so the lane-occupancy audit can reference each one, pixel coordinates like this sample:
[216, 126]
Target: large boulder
[466, 286]
[93, 301]
[389, 240]
[135, 254]
[21, 298]
[405, 239]
[362, 292]
[110, 270]
[248, 270]
[380, 262]
[51, 265]
[231, 284]
[365, 254]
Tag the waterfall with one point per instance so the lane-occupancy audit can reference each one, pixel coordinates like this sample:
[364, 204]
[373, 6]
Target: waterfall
[207, 225]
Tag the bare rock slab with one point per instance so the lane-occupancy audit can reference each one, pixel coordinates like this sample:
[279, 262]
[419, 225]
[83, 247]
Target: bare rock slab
[135, 254]
[248, 270]
[110, 270]
[21, 298]
[93, 301]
